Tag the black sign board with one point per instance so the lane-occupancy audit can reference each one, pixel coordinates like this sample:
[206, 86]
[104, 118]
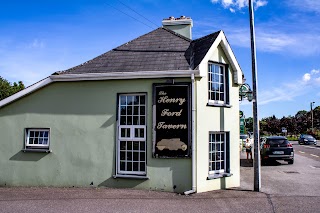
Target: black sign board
[172, 121]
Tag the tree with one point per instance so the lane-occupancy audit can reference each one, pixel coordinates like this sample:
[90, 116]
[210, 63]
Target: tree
[6, 89]
[270, 125]
[302, 121]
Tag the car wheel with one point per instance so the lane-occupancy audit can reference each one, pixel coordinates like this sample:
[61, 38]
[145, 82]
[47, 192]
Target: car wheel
[290, 161]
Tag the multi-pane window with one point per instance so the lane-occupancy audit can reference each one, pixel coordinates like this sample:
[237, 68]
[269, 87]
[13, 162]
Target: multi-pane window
[37, 139]
[217, 152]
[131, 154]
[216, 83]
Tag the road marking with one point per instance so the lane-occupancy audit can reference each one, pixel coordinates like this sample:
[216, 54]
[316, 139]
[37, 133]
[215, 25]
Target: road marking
[311, 147]
[301, 152]
[314, 155]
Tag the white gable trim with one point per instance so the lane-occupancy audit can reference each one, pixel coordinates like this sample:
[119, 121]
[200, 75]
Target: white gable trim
[222, 41]
[25, 91]
[98, 76]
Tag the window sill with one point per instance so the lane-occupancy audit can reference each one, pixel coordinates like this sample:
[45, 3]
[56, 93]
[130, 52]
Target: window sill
[37, 150]
[216, 176]
[131, 177]
[219, 105]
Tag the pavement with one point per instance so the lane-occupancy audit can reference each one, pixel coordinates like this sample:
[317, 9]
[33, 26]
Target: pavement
[242, 199]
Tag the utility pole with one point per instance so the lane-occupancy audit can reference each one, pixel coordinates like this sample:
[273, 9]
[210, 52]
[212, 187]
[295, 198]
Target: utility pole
[311, 104]
[256, 162]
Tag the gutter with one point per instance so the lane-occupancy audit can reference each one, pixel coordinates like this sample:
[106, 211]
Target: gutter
[124, 75]
[193, 136]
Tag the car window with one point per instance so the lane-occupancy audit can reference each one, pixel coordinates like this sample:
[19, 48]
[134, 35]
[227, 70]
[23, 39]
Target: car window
[309, 136]
[243, 136]
[277, 141]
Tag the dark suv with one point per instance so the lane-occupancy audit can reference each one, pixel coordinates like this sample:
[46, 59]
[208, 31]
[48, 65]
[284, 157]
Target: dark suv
[307, 139]
[276, 148]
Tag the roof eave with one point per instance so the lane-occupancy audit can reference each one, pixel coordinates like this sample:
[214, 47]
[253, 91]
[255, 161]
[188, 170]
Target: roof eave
[124, 75]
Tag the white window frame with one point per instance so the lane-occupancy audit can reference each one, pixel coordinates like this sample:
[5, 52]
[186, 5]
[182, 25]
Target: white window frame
[131, 138]
[219, 82]
[211, 151]
[132, 129]
[28, 145]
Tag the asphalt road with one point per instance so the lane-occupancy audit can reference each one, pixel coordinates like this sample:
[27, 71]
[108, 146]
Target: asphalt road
[284, 188]
[309, 151]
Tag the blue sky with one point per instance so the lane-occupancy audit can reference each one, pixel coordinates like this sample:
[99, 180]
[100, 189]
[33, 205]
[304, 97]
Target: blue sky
[38, 38]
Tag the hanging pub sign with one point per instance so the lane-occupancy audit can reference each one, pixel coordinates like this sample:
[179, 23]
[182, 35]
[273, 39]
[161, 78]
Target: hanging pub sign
[171, 120]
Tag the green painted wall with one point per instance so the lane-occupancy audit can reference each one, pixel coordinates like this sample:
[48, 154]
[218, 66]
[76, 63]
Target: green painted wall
[82, 119]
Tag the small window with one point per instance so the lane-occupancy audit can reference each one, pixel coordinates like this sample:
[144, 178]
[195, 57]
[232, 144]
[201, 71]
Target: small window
[37, 139]
[219, 157]
[217, 84]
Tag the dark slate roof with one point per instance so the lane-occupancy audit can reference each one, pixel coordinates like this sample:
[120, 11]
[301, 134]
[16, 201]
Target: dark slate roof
[202, 46]
[158, 50]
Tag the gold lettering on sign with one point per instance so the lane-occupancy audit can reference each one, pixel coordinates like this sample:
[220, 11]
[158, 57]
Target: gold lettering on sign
[167, 100]
[162, 93]
[166, 112]
[163, 125]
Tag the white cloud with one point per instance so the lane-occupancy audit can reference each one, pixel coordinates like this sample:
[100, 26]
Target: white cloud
[234, 5]
[313, 77]
[315, 71]
[289, 91]
[266, 40]
[227, 3]
[36, 43]
[261, 3]
[306, 5]
[275, 40]
[274, 36]
[306, 77]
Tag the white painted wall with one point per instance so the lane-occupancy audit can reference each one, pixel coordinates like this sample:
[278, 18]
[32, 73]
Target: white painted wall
[210, 118]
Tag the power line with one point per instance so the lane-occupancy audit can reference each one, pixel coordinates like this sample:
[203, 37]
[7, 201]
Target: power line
[138, 13]
[130, 16]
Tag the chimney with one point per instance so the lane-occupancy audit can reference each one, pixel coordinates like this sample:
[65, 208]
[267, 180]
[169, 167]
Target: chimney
[180, 25]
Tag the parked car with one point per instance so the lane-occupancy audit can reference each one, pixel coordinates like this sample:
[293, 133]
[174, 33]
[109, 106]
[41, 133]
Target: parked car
[276, 148]
[307, 139]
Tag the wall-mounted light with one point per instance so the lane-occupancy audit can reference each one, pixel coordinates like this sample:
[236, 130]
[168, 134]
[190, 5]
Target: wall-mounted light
[245, 92]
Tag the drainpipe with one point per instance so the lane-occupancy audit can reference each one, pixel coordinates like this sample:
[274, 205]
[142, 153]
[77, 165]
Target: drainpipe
[193, 136]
